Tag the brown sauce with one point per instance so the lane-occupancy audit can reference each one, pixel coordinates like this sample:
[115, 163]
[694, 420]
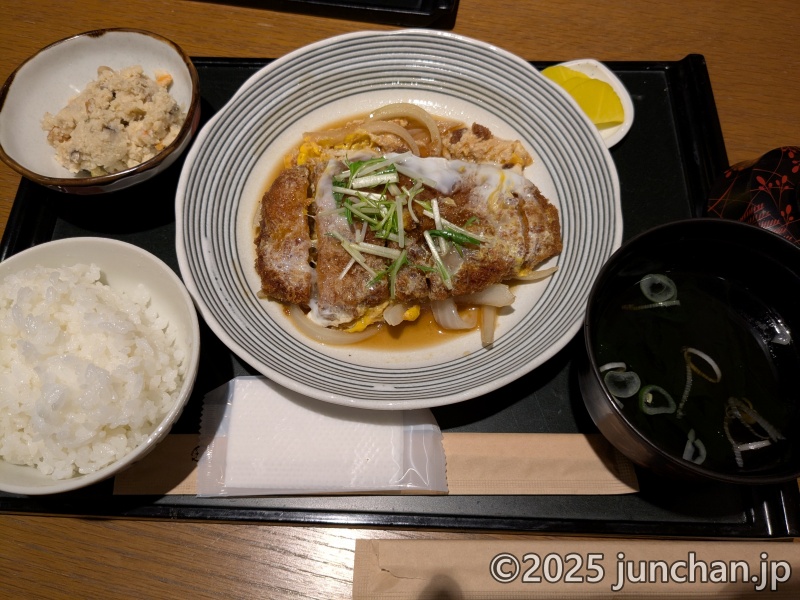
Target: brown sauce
[424, 332]
[412, 335]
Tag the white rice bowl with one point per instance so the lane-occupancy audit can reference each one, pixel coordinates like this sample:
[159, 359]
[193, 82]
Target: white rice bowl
[99, 354]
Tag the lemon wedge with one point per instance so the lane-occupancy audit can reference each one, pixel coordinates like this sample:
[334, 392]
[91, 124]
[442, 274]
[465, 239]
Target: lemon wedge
[596, 98]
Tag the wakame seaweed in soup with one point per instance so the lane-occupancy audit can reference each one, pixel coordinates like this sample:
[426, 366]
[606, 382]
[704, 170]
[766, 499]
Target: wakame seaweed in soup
[693, 362]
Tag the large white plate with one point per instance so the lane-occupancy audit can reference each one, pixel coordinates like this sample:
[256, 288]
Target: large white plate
[237, 152]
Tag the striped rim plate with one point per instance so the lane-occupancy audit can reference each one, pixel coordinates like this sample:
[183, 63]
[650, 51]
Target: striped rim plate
[242, 146]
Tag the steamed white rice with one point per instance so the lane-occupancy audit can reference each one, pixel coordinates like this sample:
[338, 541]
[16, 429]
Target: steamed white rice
[86, 372]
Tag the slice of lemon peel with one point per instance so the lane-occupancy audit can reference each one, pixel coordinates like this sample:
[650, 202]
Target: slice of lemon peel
[595, 97]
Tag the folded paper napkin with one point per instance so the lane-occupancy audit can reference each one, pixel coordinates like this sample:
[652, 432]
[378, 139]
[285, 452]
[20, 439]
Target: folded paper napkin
[263, 439]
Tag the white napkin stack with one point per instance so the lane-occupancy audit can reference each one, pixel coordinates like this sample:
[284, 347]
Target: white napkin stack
[263, 439]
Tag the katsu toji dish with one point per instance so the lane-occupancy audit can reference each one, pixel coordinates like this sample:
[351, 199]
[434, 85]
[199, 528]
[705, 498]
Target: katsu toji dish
[396, 213]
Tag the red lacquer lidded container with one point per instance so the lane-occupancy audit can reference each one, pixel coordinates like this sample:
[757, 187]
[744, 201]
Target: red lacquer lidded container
[763, 192]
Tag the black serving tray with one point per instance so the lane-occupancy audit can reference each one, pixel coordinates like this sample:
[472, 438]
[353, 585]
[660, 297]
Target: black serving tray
[666, 165]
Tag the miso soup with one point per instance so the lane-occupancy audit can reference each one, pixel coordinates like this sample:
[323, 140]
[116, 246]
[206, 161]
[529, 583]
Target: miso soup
[694, 363]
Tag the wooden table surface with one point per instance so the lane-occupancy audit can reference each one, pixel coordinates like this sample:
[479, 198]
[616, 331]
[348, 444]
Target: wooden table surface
[751, 51]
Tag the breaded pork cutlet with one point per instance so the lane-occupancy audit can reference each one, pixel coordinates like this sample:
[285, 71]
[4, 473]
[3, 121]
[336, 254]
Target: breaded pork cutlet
[515, 229]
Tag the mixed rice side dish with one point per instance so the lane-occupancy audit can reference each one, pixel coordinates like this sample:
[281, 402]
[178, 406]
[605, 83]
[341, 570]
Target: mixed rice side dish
[87, 373]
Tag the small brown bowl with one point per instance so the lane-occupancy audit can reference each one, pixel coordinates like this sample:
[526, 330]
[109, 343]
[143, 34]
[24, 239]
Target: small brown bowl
[49, 79]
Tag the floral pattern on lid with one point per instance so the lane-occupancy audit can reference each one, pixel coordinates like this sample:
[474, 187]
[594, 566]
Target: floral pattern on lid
[763, 192]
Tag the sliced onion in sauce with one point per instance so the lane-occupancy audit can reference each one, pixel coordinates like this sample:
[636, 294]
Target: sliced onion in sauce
[488, 320]
[338, 136]
[447, 316]
[537, 274]
[497, 295]
[327, 335]
[412, 111]
[393, 315]
[378, 127]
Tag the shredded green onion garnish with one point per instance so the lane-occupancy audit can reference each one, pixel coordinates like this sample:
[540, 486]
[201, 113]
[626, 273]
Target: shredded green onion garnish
[401, 230]
[391, 253]
[352, 250]
[648, 403]
[424, 268]
[368, 181]
[437, 220]
[415, 189]
[456, 237]
[392, 272]
[357, 210]
[453, 227]
[658, 288]
[441, 268]
[368, 192]
[360, 168]
[622, 383]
